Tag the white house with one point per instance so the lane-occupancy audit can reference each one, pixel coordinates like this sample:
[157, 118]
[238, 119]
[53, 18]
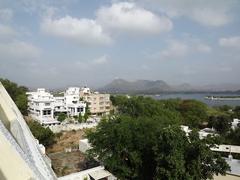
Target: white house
[41, 106]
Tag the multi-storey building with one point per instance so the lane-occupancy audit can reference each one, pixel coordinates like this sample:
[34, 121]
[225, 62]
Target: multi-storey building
[73, 103]
[99, 104]
[43, 105]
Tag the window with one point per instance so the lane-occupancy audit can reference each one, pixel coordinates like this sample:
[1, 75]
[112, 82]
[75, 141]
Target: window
[46, 112]
[47, 104]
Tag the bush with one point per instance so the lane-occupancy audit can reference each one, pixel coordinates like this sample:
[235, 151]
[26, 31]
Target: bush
[61, 117]
[44, 135]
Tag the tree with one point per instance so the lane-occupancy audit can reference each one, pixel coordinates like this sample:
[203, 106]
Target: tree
[233, 137]
[22, 103]
[80, 118]
[236, 112]
[193, 112]
[138, 106]
[17, 93]
[44, 135]
[222, 124]
[143, 148]
[87, 112]
[61, 117]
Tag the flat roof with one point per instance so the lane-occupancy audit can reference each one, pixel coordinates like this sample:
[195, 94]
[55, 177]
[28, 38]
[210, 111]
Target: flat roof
[235, 166]
[99, 174]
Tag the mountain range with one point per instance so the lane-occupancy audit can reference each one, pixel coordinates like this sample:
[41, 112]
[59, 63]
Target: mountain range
[159, 86]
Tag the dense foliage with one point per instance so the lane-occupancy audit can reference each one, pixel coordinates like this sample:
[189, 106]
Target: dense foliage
[143, 140]
[236, 112]
[221, 124]
[194, 112]
[61, 117]
[142, 148]
[233, 137]
[187, 112]
[17, 93]
[44, 135]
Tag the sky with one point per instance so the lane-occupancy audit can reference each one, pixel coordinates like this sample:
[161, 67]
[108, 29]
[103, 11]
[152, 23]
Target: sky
[58, 43]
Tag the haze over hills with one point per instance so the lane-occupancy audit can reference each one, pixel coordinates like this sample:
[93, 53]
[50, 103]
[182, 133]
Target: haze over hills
[159, 86]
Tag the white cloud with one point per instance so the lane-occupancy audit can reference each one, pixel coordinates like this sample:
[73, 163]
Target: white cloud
[175, 49]
[179, 49]
[214, 13]
[125, 16]
[85, 31]
[210, 17]
[6, 31]
[101, 60]
[203, 48]
[231, 42]
[18, 50]
[6, 14]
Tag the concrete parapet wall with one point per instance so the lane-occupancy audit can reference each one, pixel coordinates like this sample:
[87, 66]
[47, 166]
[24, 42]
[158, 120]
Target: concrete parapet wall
[21, 139]
[70, 127]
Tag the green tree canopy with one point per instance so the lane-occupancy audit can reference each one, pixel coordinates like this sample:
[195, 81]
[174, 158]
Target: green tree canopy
[236, 112]
[17, 93]
[193, 112]
[44, 135]
[233, 137]
[222, 124]
[61, 117]
[144, 148]
[138, 106]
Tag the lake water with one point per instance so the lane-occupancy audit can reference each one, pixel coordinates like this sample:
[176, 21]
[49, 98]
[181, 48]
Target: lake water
[200, 97]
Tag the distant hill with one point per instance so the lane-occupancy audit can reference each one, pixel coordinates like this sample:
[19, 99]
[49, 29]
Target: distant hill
[139, 86]
[160, 86]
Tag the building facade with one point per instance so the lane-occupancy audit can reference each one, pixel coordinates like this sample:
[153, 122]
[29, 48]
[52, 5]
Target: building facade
[73, 103]
[98, 103]
[43, 106]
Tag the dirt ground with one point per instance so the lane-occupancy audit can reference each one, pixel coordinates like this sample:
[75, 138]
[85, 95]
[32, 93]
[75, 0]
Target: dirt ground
[67, 139]
[66, 163]
[63, 162]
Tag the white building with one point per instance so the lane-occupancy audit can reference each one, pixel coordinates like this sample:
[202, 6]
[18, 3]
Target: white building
[203, 133]
[41, 106]
[235, 123]
[73, 103]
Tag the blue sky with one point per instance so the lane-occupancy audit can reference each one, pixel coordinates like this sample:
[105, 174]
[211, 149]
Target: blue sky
[56, 43]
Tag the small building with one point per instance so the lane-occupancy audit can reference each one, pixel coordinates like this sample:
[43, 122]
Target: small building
[235, 123]
[84, 145]
[203, 133]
